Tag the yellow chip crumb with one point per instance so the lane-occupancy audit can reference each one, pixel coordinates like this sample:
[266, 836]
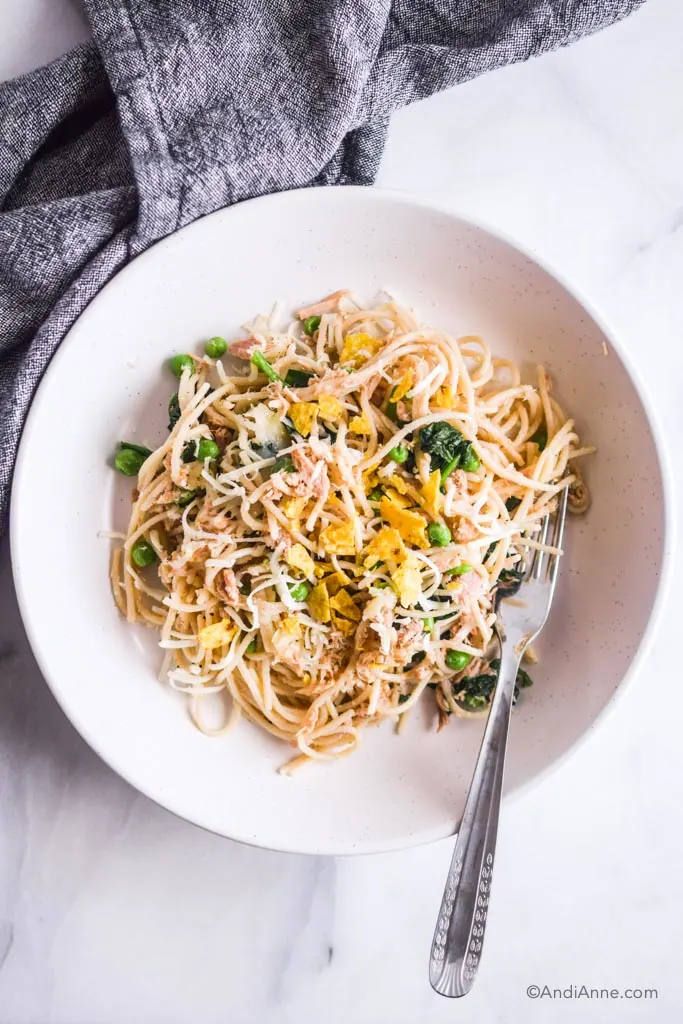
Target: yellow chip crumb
[217, 635]
[370, 479]
[358, 348]
[431, 494]
[444, 398]
[290, 625]
[303, 416]
[396, 498]
[330, 407]
[408, 581]
[385, 546]
[403, 386]
[345, 605]
[398, 483]
[319, 603]
[338, 539]
[297, 557]
[360, 425]
[344, 625]
[412, 526]
[293, 507]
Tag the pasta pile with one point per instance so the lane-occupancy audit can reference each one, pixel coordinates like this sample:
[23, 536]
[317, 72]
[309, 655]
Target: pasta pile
[322, 533]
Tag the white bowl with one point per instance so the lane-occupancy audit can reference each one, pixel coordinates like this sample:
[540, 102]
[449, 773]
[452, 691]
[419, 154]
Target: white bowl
[107, 382]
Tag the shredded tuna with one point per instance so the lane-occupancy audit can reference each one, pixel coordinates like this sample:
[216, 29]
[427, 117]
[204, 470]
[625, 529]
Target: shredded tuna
[367, 665]
[210, 521]
[457, 483]
[226, 587]
[466, 531]
[243, 348]
[408, 634]
[326, 305]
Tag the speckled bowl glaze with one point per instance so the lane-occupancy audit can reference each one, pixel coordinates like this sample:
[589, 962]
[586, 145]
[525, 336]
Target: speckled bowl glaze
[107, 382]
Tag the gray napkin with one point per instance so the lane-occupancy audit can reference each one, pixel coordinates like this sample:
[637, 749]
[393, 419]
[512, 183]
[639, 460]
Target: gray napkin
[181, 107]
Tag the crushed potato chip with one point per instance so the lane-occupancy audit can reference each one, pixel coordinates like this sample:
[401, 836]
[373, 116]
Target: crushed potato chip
[338, 539]
[217, 635]
[360, 425]
[358, 348]
[431, 494]
[344, 625]
[444, 398]
[293, 507]
[303, 416]
[297, 557]
[340, 575]
[345, 605]
[396, 498]
[370, 479]
[407, 581]
[403, 386]
[385, 546]
[319, 603]
[330, 407]
[290, 624]
[398, 483]
[412, 526]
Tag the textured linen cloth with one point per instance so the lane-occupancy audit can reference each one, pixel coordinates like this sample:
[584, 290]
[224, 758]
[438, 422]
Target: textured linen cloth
[180, 107]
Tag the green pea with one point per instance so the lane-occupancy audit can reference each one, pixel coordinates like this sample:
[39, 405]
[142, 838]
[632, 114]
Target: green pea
[130, 457]
[375, 494]
[299, 591]
[216, 347]
[207, 449]
[428, 624]
[381, 584]
[439, 534]
[457, 660]
[399, 454]
[460, 570]
[311, 325]
[252, 647]
[143, 554]
[470, 460]
[181, 363]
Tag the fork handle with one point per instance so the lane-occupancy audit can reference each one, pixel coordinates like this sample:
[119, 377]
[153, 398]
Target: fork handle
[459, 934]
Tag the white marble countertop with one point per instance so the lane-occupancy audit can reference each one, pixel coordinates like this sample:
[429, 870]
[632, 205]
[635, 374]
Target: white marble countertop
[114, 912]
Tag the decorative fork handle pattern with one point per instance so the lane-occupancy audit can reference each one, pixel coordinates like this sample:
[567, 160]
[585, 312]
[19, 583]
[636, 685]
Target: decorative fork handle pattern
[459, 934]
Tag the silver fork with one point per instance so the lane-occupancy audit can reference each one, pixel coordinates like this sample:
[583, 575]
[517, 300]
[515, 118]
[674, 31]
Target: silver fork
[459, 934]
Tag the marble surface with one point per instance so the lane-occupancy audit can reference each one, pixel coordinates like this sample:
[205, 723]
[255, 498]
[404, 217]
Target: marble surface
[114, 912]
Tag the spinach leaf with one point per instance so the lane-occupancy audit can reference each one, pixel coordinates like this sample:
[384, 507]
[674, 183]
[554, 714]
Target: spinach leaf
[297, 378]
[444, 443]
[173, 411]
